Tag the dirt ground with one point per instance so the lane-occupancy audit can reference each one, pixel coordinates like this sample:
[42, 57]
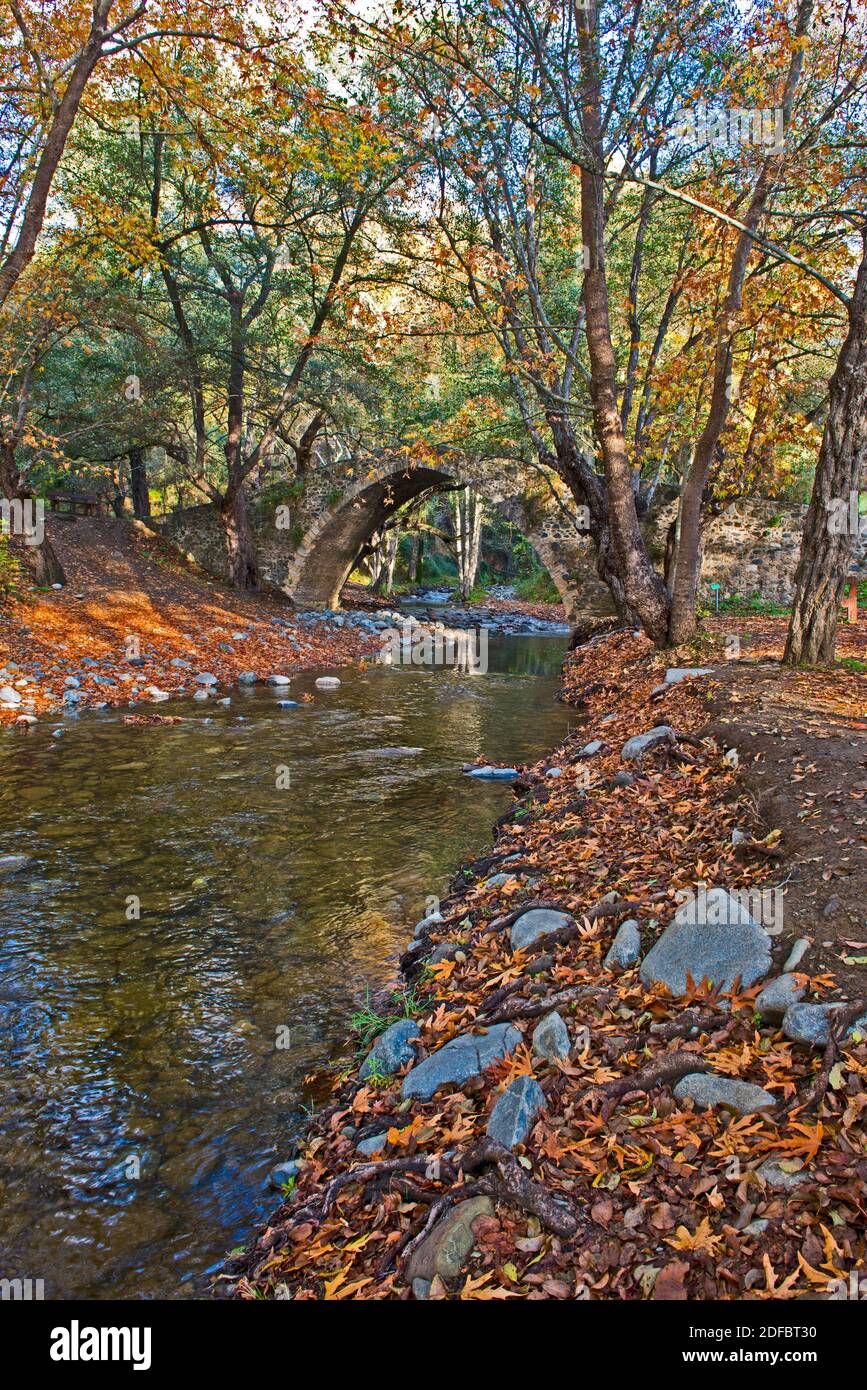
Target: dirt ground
[802, 739]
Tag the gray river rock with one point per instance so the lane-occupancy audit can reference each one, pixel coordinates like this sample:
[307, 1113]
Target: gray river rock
[457, 1061]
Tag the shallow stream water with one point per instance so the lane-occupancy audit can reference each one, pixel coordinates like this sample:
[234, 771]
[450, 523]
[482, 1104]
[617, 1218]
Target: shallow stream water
[266, 912]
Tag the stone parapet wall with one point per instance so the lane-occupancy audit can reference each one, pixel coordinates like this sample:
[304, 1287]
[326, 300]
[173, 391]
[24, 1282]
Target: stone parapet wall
[751, 549]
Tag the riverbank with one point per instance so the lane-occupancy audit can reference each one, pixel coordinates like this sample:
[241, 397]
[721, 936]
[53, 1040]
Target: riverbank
[133, 618]
[554, 1103]
[137, 624]
[190, 910]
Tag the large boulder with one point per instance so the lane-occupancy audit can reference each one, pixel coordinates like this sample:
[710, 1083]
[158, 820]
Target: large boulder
[712, 938]
[445, 1250]
[708, 1091]
[464, 1057]
[515, 1112]
[392, 1049]
[538, 922]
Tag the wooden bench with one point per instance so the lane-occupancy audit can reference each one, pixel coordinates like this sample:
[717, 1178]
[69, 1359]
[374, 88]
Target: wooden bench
[850, 597]
[90, 503]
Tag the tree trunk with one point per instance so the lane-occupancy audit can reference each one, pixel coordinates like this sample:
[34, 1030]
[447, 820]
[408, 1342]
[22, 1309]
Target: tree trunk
[391, 544]
[475, 540]
[826, 547]
[468, 535]
[413, 559]
[374, 562]
[588, 491]
[60, 125]
[644, 592]
[240, 548]
[40, 560]
[43, 563]
[138, 483]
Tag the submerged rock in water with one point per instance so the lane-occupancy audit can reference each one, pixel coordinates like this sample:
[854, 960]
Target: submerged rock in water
[12, 864]
[493, 774]
[282, 1173]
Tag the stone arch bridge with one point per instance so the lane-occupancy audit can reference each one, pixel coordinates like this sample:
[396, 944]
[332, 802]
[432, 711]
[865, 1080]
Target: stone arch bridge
[308, 541]
[309, 538]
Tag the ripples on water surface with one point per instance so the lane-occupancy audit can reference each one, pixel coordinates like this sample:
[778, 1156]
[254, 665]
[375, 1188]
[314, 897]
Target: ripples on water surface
[260, 910]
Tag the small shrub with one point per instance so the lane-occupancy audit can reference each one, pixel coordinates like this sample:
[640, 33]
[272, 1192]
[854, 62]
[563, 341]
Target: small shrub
[754, 604]
[537, 588]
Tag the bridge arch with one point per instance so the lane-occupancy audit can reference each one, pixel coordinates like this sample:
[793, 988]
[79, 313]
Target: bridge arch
[340, 525]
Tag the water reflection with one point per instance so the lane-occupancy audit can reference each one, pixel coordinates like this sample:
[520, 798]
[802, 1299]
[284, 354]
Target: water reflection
[261, 909]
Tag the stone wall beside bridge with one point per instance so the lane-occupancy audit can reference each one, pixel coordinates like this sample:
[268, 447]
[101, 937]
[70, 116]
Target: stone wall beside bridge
[307, 540]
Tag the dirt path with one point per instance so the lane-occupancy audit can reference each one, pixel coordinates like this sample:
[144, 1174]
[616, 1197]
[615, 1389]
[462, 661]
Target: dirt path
[802, 739]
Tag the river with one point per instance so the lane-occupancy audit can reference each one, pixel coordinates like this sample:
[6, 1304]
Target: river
[278, 860]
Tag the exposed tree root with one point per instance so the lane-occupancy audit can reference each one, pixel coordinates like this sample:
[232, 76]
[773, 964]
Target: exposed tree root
[515, 1187]
[523, 1008]
[662, 1072]
[698, 1020]
[364, 1172]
